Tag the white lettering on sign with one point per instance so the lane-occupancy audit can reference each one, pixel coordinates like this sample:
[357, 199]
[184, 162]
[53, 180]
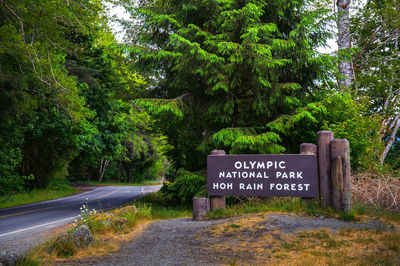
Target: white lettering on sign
[289, 187]
[289, 175]
[237, 174]
[222, 186]
[260, 165]
[253, 186]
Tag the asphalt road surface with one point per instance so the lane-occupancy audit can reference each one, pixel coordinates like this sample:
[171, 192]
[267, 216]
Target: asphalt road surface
[25, 220]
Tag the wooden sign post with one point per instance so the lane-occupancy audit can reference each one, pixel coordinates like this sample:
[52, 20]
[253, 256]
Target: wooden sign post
[324, 139]
[218, 202]
[340, 175]
[321, 170]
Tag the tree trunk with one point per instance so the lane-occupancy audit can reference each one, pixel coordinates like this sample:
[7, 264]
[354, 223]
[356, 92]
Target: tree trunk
[344, 41]
[391, 139]
[102, 170]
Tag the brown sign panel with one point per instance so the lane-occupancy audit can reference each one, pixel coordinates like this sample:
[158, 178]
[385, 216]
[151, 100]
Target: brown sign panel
[291, 175]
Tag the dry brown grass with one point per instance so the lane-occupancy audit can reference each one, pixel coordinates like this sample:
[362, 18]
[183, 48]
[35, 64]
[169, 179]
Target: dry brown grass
[376, 191]
[104, 243]
[245, 241]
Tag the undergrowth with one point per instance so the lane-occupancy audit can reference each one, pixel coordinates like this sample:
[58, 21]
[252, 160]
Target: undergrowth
[240, 205]
[380, 192]
[312, 207]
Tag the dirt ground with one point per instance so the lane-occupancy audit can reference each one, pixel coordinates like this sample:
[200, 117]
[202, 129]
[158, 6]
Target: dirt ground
[260, 239]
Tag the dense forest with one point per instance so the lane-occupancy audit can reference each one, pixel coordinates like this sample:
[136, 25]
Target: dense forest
[245, 76]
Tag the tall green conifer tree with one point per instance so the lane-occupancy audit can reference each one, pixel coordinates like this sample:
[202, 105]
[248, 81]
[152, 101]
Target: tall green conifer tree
[236, 65]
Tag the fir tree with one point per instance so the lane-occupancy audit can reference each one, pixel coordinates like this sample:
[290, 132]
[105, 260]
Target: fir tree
[236, 65]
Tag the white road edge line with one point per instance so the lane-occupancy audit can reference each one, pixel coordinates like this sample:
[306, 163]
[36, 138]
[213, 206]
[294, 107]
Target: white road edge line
[149, 191]
[21, 230]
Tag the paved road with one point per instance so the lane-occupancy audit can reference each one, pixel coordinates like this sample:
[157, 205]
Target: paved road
[24, 220]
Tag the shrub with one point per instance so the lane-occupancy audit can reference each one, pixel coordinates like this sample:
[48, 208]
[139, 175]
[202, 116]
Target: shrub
[185, 187]
[59, 183]
[63, 246]
[365, 141]
[115, 220]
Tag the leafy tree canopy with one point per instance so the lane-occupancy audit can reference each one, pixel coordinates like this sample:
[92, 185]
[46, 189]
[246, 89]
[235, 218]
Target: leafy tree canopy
[236, 65]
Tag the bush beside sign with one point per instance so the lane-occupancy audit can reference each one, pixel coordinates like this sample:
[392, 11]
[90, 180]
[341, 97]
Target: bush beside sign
[262, 175]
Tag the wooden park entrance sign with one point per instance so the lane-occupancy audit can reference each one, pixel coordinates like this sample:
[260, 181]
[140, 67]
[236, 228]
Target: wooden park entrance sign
[263, 175]
[319, 171]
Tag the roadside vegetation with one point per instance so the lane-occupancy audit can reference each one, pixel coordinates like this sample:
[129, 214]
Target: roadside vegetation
[35, 195]
[109, 229]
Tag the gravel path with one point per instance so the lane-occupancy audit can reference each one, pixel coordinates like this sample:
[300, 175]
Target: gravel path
[166, 242]
[292, 223]
[179, 241]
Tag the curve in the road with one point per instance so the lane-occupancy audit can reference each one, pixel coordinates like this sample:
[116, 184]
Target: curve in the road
[20, 220]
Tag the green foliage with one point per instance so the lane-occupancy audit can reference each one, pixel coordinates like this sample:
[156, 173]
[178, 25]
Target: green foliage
[66, 92]
[41, 109]
[347, 216]
[364, 138]
[235, 65]
[161, 207]
[374, 31]
[243, 76]
[64, 248]
[345, 117]
[393, 158]
[377, 65]
[185, 186]
[246, 140]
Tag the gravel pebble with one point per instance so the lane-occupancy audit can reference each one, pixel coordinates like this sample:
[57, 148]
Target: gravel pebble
[21, 244]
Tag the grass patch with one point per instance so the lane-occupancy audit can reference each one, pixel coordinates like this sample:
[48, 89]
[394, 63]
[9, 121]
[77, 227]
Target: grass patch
[251, 244]
[160, 208]
[234, 226]
[392, 241]
[36, 195]
[115, 183]
[257, 205]
[360, 209]
[300, 206]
